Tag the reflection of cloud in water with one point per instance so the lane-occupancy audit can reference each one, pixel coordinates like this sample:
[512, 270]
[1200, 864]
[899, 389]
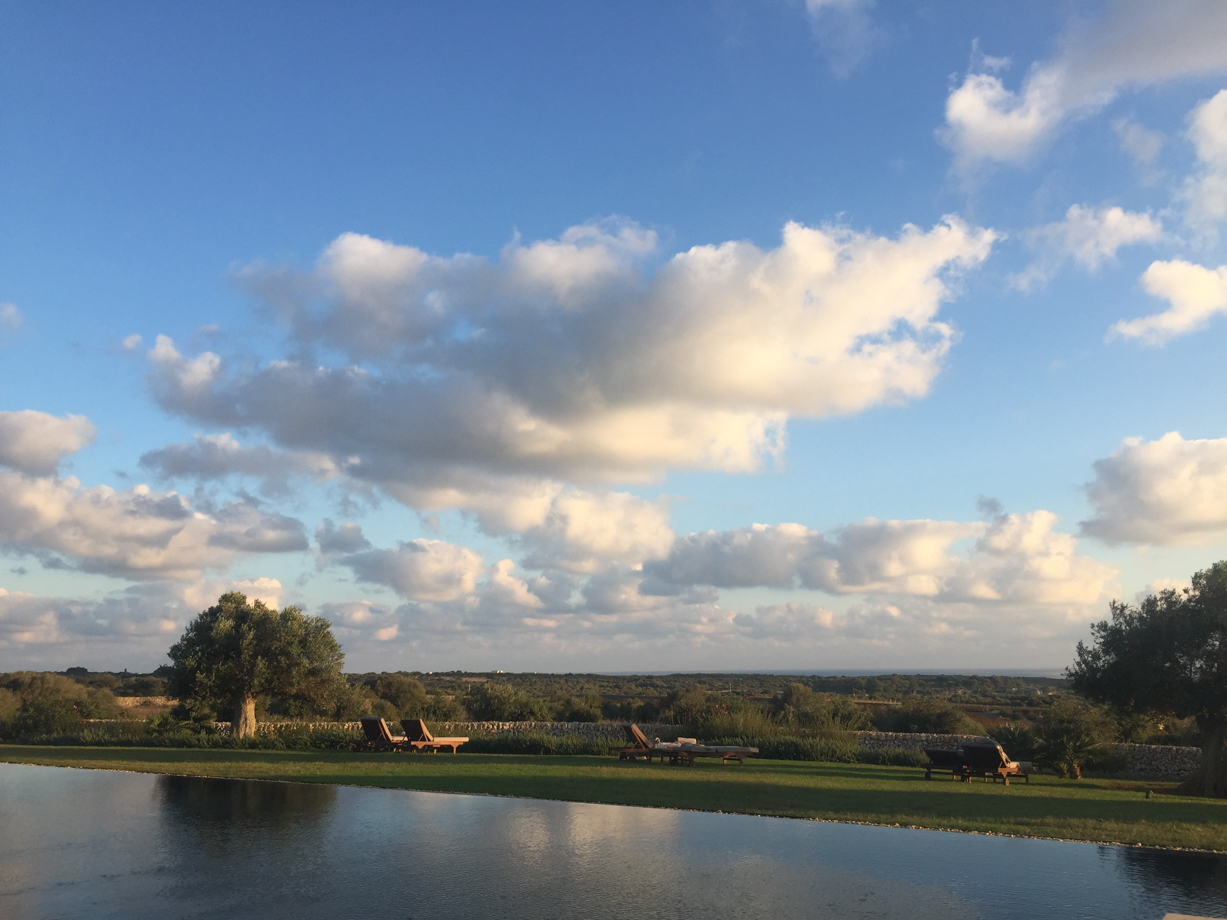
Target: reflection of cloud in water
[82, 843]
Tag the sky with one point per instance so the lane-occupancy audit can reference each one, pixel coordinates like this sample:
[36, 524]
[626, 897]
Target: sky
[762, 335]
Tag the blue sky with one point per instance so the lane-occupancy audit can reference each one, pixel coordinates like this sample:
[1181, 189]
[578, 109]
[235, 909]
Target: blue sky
[610, 337]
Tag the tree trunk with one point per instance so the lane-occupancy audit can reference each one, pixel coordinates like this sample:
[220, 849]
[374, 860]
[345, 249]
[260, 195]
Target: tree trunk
[1211, 776]
[243, 725]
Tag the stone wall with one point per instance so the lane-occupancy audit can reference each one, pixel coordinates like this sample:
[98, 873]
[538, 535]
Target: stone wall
[875, 741]
[589, 730]
[1157, 761]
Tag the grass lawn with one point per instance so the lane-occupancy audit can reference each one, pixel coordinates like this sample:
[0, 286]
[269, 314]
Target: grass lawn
[1112, 811]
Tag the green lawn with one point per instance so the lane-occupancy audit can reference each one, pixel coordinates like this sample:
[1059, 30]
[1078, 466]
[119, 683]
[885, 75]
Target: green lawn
[1091, 809]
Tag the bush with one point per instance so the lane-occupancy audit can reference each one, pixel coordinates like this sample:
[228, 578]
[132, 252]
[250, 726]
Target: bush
[1065, 747]
[927, 715]
[541, 743]
[498, 702]
[1019, 741]
[801, 707]
[46, 716]
[894, 757]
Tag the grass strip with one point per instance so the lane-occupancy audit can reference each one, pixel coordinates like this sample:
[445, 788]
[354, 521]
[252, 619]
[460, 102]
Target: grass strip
[1100, 810]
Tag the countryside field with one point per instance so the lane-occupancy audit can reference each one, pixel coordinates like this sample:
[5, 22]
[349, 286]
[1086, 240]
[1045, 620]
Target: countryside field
[1100, 810]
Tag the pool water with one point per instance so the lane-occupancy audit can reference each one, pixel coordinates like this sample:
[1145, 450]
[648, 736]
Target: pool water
[97, 844]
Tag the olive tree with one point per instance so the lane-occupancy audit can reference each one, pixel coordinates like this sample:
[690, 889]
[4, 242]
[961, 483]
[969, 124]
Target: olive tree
[1168, 655]
[236, 651]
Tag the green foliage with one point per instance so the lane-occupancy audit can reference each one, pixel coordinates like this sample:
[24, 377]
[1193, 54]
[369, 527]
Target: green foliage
[800, 706]
[493, 701]
[928, 715]
[581, 709]
[46, 715]
[405, 694]
[1166, 654]
[236, 651]
[1065, 747]
[541, 743]
[1020, 742]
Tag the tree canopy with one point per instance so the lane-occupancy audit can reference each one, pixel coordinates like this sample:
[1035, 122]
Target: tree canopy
[1168, 655]
[237, 651]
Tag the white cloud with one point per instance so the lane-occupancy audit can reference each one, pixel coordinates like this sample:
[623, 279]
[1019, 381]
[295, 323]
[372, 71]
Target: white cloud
[214, 457]
[1169, 492]
[566, 361]
[561, 528]
[10, 317]
[131, 342]
[1205, 192]
[35, 442]
[422, 570]
[1196, 295]
[1135, 44]
[845, 31]
[1015, 558]
[137, 533]
[1089, 236]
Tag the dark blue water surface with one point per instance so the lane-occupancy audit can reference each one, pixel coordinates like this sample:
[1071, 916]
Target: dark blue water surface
[96, 844]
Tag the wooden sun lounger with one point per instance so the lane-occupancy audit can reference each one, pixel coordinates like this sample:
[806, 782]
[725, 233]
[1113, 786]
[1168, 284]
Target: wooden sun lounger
[682, 751]
[380, 736]
[419, 737]
[640, 745]
[688, 751]
[987, 759]
[943, 761]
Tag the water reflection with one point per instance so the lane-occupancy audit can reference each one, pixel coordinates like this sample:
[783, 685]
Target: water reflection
[87, 844]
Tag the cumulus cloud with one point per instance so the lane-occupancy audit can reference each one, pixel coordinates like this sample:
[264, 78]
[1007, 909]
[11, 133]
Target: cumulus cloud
[1205, 192]
[560, 527]
[1196, 295]
[347, 538]
[131, 342]
[137, 533]
[1089, 236]
[35, 442]
[567, 360]
[215, 457]
[1135, 44]
[1169, 492]
[423, 570]
[845, 31]
[134, 625]
[1016, 558]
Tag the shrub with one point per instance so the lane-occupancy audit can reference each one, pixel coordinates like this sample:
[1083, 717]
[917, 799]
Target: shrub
[499, 702]
[894, 757]
[1065, 747]
[928, 715]
[541, 743]
[1019, 741]
[46, 716]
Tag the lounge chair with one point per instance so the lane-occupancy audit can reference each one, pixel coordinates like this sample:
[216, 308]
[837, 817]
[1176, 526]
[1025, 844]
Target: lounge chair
[943, 761]
[689, 750]
[419, 737]
[985, 757]
[640, 745]
[683, 751]
[380, 736]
